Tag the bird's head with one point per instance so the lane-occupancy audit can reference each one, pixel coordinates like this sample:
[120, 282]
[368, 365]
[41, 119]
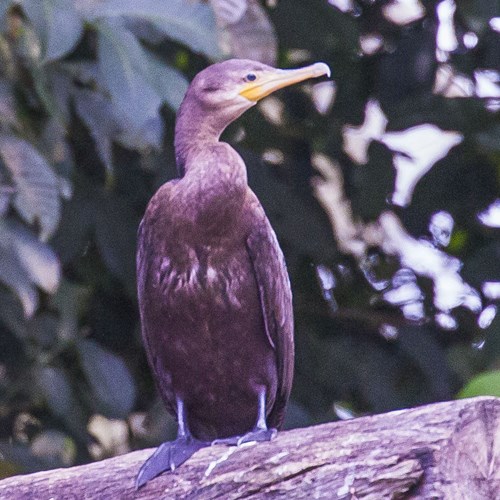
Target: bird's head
[229, 88]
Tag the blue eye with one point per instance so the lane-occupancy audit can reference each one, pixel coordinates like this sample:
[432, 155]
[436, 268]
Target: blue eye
[251, 77]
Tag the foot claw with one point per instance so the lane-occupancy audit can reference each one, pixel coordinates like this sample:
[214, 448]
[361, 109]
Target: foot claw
[257, 435]
[167, 456]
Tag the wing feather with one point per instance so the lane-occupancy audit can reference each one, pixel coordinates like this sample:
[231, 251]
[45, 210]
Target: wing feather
[276, 300]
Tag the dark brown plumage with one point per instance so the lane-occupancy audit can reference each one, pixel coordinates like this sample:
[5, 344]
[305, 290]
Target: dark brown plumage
[214, 295]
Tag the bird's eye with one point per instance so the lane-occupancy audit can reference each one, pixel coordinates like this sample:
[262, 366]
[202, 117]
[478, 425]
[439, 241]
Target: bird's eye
[251, 77]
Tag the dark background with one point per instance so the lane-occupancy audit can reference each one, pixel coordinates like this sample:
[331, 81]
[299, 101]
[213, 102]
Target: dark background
[387, 316]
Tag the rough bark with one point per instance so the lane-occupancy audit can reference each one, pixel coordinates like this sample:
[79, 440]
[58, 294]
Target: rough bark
[446, 450]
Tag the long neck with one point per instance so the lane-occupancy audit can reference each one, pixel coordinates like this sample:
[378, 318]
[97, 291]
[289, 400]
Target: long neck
[194, 129]
[215, 177]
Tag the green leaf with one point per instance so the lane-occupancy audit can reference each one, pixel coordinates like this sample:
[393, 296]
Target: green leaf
[77, 224]
[96, 112]
[4, 7]
[16, 279]
[169, 83]
[5, 197]
[70, 300]
[37, 197]
[58, 24]
[484, 384]
[11, 311]
[191, 23]
[42, 330]
[38, 260]
[124, 74]
[8, 112]
[113, 388]
[55, 386]
[56, 389]
[246, 31]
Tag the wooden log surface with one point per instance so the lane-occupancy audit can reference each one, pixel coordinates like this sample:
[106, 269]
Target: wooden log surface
[447, 450]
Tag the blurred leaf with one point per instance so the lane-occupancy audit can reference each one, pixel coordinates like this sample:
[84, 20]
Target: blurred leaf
[58, 24]
[38, 259]
[124, 74]
[8, 112]
[54, 448]
[5, 197]
[96, 112]
[116, 233]
[55, 386]
[484, 384]
[37, 196]
[8, 468]
[42, 330]
[483, 265]
[377, 177]
[16, 278]
[477, 13]
[299, 223]
[191, 23]
[76, 226]
[246, 32]
[11, 311]
[71, 301]
[20, 455]
[169, 83]
[113, 387]
[489, 139]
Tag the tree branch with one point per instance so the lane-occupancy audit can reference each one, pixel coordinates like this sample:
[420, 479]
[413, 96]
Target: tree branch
[444, 450]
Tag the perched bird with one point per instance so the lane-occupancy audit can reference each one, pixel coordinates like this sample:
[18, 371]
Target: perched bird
[214, 294]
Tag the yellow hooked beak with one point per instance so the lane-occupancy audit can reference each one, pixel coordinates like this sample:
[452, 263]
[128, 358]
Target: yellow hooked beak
[270, 81]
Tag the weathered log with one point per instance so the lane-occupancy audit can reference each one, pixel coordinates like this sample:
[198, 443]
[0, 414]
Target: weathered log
[446, 450]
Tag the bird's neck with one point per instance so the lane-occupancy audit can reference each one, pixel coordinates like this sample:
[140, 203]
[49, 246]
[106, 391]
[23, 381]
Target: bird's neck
[214, 175]
[194, 130]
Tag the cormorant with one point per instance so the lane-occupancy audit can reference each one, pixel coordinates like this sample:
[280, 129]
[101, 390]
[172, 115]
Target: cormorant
[214, 294]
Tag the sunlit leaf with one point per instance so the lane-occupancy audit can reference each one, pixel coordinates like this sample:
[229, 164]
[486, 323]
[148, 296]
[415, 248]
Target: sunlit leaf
[112, 385]
[484, 384]
[37, 196]
[191, 23]
[58, 24]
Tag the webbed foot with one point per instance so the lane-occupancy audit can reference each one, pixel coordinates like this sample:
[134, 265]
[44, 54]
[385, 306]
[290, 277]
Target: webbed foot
[257, 435]
[167, 456]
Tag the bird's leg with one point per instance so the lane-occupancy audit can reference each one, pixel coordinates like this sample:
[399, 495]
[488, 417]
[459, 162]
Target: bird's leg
[171, 454]
[259, 433]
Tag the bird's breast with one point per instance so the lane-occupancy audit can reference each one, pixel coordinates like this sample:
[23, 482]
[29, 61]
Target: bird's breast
[205, 275]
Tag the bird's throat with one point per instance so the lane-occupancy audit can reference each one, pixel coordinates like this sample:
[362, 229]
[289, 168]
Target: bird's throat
[194, 130]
